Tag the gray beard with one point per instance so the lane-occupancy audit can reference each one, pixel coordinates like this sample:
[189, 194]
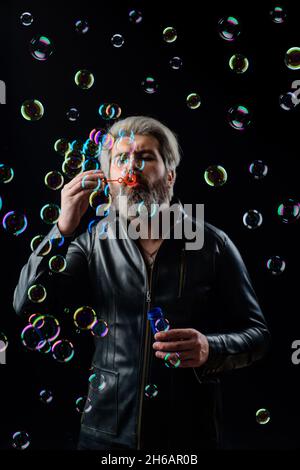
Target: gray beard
[156, 193]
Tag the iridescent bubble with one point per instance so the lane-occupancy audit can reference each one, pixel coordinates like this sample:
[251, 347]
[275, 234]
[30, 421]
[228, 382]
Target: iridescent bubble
[278, 15]
[85, 317]
[91, 149]
[135, 16]
[81, 26]
[73, 114]
[57, 264]
[31, 338]
[215, 175]
[239, 117]
[169, 34]
[193, 101]
[50, 213]
[110, 111]
[37, 293]
[47, 326]
[229, 28]
[238, 63]
[172, 360]
[289, 211]
[97, 381]
[35, 242]
[1, 203]
[46, 396]
[151, 391]
[3, 342]
[149, 85]
[62, 146]
[276, 265]
[292, 58]
[162, 324]
[44, 347]
[84, 79]
[26, 18]
[14, 223]
[91, 164]
[252, 219]
[288, 101]
[176, 63]
[76, 147]
[6, 173]
[72, 166]
[54, 180]
[99, 198]
[20, 440]
[32, 110]
[63, 350]
[83, 405]
[41, 47]
[262, 416]
[107, 141]
[99, 328]
[117, 40]
[258, 169]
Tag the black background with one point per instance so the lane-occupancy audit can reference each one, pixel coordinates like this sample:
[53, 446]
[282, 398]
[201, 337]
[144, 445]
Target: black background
[205, 138]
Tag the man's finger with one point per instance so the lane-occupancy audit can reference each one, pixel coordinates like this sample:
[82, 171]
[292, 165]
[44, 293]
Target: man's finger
[174, 346]
[175, 334]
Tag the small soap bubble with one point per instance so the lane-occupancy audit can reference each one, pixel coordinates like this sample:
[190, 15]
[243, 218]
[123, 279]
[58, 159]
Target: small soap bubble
[63, 350]
[117, 40]
[238, 63]
[81, 26]
[6, 173]
[46, 396]
[73, 114]
[239, 117]
[262, 416]
[276, 265]
[26, 18]
[149, 85]
[175, 63]
[37, 293]
[20, 440]
[278, 15]
[32, 110]
[289, 211]
[151, 391]
[54, 180]
[84, 79]
[85, 318]
[258, 169]
[169, 34]
[15, 223]
[50, 213]
[215, 175]
[41, 47]
[193, 101]
[229, 28]
[135, 16]
[252, 219]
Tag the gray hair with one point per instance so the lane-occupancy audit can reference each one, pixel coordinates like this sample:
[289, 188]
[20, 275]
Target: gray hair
[143, 125]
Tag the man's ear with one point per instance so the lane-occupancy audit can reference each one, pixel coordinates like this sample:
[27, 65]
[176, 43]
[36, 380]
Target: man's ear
[171, 177]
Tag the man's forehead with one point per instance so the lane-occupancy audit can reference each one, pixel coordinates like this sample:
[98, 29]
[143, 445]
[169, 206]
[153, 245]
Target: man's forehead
[138, 143]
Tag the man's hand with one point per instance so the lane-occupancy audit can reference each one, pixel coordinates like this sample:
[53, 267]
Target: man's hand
[191, 345]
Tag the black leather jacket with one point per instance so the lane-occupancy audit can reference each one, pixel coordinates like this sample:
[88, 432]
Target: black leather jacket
[207, 289]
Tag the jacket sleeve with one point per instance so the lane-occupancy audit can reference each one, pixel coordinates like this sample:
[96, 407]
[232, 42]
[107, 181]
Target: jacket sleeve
[62, 288]
[244, 336]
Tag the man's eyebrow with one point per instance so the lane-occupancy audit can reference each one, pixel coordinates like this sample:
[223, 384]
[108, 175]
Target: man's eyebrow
[146, 151]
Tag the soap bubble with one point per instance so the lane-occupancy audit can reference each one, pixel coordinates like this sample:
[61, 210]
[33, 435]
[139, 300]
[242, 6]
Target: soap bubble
[99, 328]
[149, 85]
[32, 110]
[47, 326]
[50, 213]
[117, 40]
[278, 15]
[193, 101]
[215, 175]
[172, 360]
[239, 117]
[54, 180]
[258, 169]
[97, 381]
[57, 264]
[169, 34]
[288, 101]
[46, 396]
[20, 440]
[262, 416]
[63, 350]
[62, 146]
[151, 391]
[26, 18]
[83, 405]
[73, 114]
[6, 173]
[176, 63]
[135, 16]
[292, 58]
[162, 324]
[84, 79]
[276, 265]
[252, 219]
[229, 28]
[41, 47]
[110, 111]
[37, 293]
[81, 26]
[85, 317]
[35, 242]
[289, 211]
[238, 63]
[14, 223]
[31, 338]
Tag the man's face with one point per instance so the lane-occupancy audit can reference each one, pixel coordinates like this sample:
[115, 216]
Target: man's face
[140, 160]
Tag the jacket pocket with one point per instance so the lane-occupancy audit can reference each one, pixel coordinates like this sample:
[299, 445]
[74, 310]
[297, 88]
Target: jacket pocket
[102, 401]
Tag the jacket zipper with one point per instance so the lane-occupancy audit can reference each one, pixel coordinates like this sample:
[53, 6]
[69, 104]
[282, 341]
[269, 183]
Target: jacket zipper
[146, 354]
